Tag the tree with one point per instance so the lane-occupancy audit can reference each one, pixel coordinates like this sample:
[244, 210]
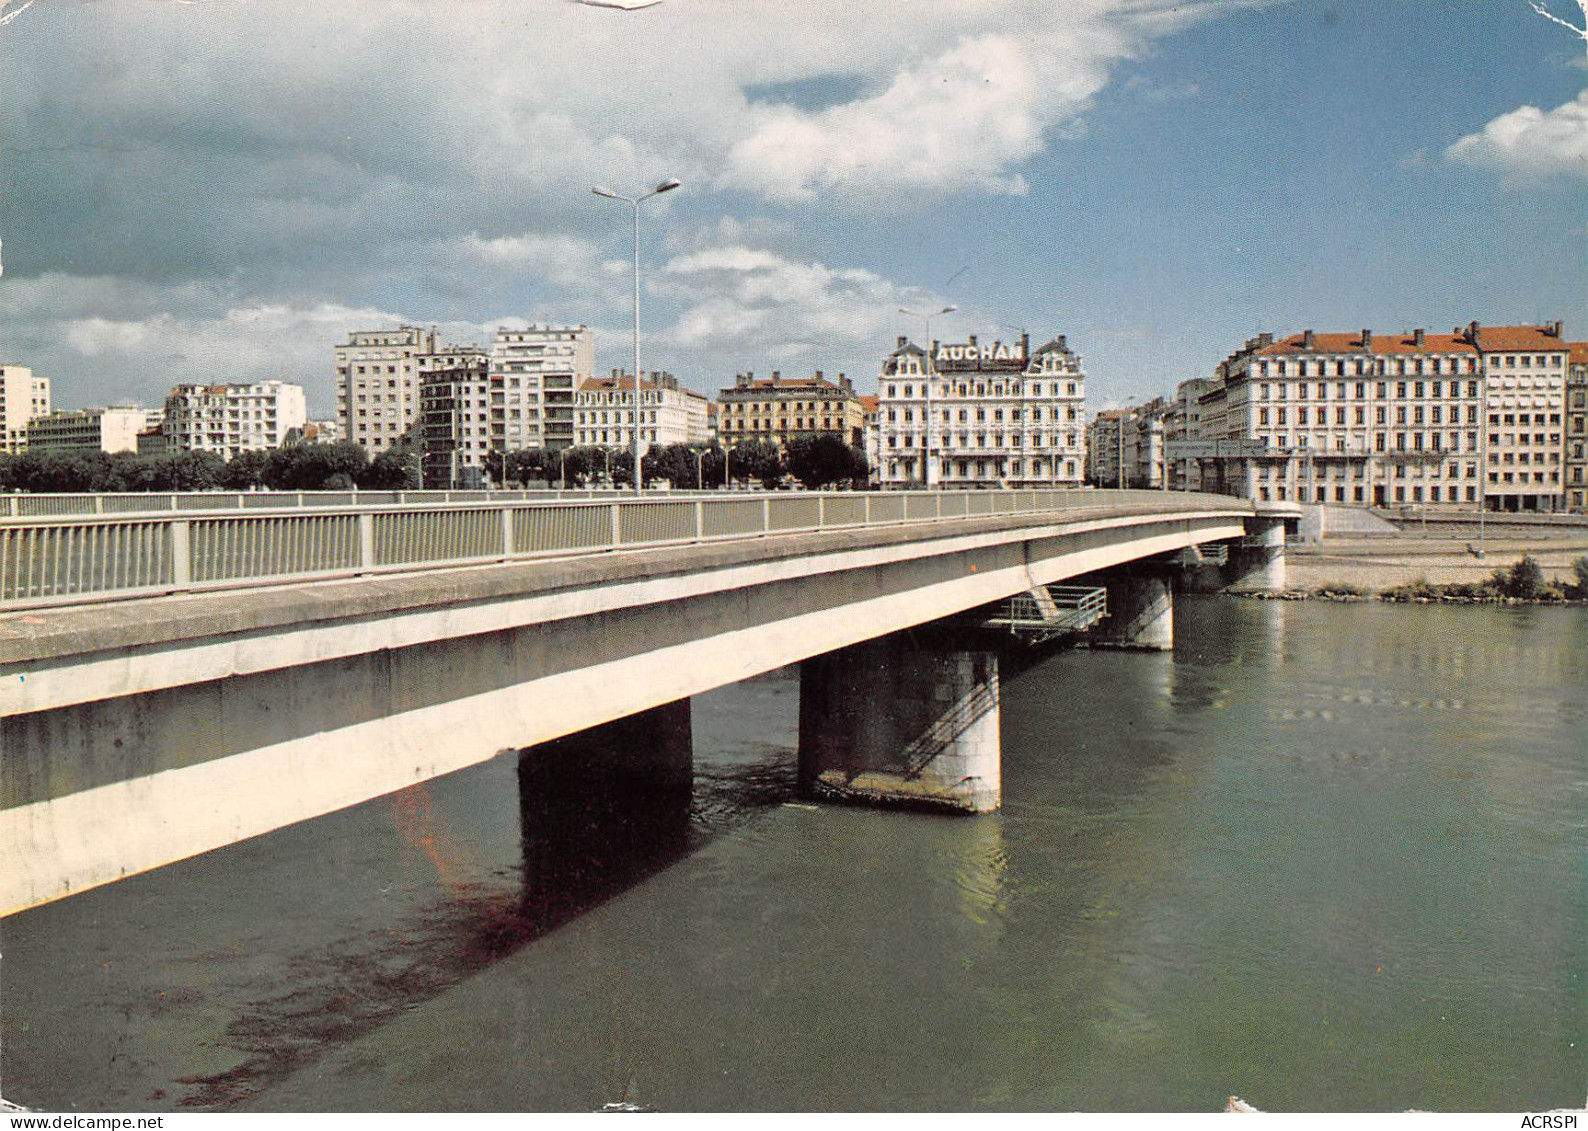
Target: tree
[308, 467]
[1526, 579]
[673, 462]
[395, 469]
[189, 471]
[756, 459]
[245, 471]
[1580, 568]
[820, 460]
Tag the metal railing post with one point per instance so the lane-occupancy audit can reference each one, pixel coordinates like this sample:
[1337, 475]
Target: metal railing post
[700, 520]
[821, 512]
[366, 540]
[617, 525]
[507, 531]
[181, 554]
[766, 516]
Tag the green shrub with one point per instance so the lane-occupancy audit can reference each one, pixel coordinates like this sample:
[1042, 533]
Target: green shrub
[1525, 579]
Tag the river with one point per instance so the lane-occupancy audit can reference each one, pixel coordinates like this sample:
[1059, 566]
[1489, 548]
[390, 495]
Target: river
[1328, 857]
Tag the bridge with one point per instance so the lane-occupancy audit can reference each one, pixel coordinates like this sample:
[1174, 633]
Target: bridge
[180, 677]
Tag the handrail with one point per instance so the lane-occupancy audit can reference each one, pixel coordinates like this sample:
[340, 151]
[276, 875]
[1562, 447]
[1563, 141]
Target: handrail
[76, 558]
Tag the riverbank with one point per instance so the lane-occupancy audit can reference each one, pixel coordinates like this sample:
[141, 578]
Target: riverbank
[1367, 566]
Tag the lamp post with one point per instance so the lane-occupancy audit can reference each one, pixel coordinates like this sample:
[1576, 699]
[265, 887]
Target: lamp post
[700, 463]
[926, 449]
[634, 202]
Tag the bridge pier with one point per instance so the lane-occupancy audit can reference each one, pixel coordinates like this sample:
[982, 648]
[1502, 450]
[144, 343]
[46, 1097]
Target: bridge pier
[1257, 562]
[601, 809]
[649, 753]
[1140, 611]
[905, 719]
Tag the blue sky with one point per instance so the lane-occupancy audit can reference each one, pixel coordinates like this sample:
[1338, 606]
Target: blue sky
[221, 190]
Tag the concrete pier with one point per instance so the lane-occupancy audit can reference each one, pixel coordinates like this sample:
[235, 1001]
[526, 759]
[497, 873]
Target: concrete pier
[1140, 612]
[1257, 563]
[906, 719]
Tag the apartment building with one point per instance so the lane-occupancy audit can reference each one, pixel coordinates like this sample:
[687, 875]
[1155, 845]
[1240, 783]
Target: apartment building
[455, 425]
[232, 418]
[870, 416]
[1125, 447]
[1460, 420]
[975, 414]
[92, 429]
[669, 412]
[1524, 371]
[1576, 467]
[778, 408]
[534, 373]
[23, 396]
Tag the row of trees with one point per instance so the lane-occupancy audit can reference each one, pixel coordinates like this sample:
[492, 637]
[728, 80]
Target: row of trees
[303, 467]
[814, 461]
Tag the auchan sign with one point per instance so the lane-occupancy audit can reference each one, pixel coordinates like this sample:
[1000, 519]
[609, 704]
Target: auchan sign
[972, 351]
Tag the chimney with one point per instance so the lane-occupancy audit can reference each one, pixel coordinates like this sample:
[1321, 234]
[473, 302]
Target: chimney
[1025, 344]
[1555, 329]
[1472, 330]
[1264, 339]
[1367, 338]
[845, 384]
[1061, 340]
[1307, 339]
[1418, 337]
[972, 340]
[902, 340]
[741, 381]
[818, 375]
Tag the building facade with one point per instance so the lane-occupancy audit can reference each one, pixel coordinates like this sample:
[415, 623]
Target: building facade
[228, 419]
[92, 429]
[991, 415]
[534, 373]
[779, 408]
[1577, 427]
[23, 396]
[669, 413]
[1524, 369]
[1448, 421]
[455, 426]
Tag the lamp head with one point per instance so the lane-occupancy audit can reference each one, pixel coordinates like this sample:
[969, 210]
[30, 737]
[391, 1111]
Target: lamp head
[667, 186]
[600, 190]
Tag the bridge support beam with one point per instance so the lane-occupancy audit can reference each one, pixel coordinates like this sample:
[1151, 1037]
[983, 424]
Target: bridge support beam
[906, 719]
[1257, 564]
[1140, 611]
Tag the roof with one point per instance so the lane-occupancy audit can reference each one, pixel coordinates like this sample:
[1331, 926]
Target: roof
[623, 383]
[1577, 353]
[1504, 338]
[1351, 342]
[869, 403]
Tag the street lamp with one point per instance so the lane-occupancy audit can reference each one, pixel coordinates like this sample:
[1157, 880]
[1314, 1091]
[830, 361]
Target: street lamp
[926, 450]
[634, 202]
[700, 463]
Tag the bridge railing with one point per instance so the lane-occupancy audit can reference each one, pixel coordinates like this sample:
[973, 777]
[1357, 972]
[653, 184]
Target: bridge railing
[60, 559]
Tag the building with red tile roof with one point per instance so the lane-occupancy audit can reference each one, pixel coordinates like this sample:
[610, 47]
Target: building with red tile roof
[1414, 419]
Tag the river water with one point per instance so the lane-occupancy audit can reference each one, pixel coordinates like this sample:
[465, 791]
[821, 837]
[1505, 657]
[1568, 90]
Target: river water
[1326, 857]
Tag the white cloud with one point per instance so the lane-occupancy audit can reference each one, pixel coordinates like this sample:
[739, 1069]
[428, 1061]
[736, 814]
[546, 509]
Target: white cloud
[1529, 143]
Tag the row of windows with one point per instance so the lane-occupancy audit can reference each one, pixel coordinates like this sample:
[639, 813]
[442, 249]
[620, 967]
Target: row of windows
[986, 389]
[1344, 390]
[998, 440]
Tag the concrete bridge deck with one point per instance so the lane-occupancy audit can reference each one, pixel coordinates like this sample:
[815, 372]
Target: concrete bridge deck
[137, 732]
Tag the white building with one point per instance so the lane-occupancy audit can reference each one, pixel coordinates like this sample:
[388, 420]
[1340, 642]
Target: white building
[23, 396]
[91, 429]
[1000, 415]
[534, 373]
[669, 413]
[377, 381]
[228, 419]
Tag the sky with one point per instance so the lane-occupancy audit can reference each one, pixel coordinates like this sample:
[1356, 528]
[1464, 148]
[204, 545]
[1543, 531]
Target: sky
[221, 190]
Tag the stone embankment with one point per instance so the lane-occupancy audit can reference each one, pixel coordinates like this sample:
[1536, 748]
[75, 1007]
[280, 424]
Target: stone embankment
[1375, 564]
